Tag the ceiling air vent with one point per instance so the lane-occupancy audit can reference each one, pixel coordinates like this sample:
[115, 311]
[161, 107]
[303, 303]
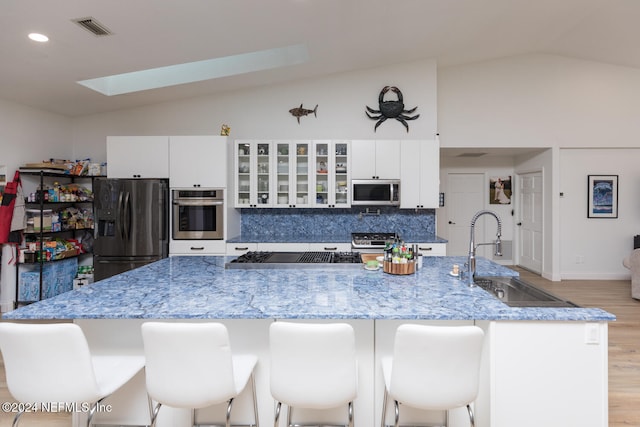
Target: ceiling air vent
[93, 26]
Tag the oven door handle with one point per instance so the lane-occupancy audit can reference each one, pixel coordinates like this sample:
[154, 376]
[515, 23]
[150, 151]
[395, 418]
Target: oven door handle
[198, 202]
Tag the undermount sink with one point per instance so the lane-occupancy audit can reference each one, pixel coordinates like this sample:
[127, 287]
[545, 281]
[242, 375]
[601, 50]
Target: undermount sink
[516, 293]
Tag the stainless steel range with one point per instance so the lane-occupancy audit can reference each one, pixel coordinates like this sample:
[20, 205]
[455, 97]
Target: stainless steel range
[371, 242]
[254, 260]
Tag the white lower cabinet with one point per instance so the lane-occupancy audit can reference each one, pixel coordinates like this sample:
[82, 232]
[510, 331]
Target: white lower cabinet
[237, 249]
[330, 247]
[544, 373]
[432, 249]
[197, 247]
[283, 247]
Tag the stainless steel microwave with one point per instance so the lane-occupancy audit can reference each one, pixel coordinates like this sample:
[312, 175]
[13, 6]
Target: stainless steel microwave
[375, 192]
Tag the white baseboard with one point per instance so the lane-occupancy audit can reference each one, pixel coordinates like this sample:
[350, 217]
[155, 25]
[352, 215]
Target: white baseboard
[595, 276]
[6, 306]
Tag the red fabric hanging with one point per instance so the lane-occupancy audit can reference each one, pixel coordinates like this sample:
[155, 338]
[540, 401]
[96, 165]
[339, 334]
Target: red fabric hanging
[7, 206]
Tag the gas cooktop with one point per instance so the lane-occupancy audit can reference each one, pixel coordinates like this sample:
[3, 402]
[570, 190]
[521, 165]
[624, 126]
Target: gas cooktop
[254, 260]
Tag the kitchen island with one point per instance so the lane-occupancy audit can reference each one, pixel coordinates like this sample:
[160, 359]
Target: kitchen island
[541, 366]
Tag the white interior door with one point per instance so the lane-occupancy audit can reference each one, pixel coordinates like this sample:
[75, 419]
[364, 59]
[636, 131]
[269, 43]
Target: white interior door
[466, 197]
[530, 222]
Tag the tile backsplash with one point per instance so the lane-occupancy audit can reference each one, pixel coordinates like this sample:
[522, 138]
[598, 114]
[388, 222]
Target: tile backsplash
[318, 222]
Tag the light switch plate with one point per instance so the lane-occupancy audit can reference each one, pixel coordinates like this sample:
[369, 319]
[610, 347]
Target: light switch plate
[592, 333]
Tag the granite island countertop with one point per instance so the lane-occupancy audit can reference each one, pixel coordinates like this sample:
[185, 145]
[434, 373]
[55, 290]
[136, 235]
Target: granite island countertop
[199, 287]
[345, 237]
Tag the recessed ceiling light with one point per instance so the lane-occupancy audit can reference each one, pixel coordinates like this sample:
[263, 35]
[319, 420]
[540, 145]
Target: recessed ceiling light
[198, 71]
[37, 37]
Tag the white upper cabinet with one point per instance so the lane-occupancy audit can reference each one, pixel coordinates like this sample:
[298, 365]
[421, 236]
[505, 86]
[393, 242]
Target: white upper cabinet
[420, 187]
[291, 174]
[198, 161]
[138, 157]
[331, 177]
[292, 180]
[375, 159]
[253, 174]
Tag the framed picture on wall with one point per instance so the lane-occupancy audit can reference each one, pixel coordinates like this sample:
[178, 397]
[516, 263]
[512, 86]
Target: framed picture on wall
[602, 196]
[500, 190]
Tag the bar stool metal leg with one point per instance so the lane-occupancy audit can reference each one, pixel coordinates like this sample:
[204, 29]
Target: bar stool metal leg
[277, 417]
[384, 407]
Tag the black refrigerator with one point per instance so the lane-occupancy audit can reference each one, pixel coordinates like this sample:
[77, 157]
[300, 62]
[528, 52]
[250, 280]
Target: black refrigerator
[132, 224]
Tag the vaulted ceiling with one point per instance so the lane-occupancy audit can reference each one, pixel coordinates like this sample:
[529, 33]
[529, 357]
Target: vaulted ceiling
[339, 36]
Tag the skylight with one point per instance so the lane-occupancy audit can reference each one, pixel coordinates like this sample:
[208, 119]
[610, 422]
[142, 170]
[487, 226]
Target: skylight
[198, 71]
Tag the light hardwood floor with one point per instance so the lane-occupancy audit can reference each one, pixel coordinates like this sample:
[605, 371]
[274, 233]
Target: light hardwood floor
[624, 349]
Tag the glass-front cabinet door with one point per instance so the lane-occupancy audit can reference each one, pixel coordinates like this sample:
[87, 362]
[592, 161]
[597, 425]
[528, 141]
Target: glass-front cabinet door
[253, 174]
[302, 181]
[331, 176]
[292, 173]
[283, 173]
[263, 172]
[341, 174]
[245, 187]
[321, 173]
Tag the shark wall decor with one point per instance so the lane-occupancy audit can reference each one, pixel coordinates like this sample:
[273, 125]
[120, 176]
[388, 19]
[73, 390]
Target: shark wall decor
[301, 112]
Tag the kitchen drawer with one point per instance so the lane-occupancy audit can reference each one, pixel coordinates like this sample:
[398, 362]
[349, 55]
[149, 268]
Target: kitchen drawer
[283, 247]
[237, 249]
[197, 247]
[433, 249]
[330, 247]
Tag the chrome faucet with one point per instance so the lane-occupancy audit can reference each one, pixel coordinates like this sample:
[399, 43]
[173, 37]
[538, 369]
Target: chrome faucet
[471, 262]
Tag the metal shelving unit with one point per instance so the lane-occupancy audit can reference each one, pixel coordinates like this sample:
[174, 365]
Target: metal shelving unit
[41, 235]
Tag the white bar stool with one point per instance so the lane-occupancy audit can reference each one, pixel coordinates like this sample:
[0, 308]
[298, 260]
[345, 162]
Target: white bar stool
[313, 366]
[190, 365]
[433, 368]
[47, 363]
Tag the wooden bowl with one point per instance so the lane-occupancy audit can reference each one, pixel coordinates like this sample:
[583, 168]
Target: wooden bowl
[406, 268]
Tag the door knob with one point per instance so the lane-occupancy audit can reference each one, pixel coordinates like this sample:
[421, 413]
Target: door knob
[451, 222]
[519, 224]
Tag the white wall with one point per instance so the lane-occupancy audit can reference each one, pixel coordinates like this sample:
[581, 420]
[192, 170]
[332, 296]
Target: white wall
[594, 248]
[556, 102]
[264, 112]
[29, 135]
[538, 101]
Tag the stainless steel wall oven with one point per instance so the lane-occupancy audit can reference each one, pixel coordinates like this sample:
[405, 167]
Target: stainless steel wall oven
[198, 214]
